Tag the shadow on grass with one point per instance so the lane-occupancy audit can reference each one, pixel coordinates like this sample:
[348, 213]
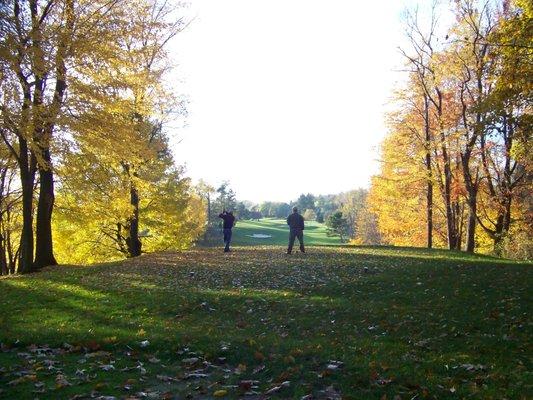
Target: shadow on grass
[165, 292]
[404, 317]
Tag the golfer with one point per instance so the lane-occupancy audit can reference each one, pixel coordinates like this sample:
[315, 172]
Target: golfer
[229, 222]
[296, 226]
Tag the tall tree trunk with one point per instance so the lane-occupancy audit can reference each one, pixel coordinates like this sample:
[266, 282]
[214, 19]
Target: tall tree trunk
[11, 256]
[450, 220]
[506, 190]
[134, 244]
[429, 215]
[3, 260]
[13, 262]
[429, 204]
[27, 177]
[44, 252]
[471, 223]
[459, 217]
[502, 191]
[208, 227]
[3, 249]
[472, 190]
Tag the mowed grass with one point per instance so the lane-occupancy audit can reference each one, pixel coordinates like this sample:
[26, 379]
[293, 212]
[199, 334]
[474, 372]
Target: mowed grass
[315, 234]
[336, 322]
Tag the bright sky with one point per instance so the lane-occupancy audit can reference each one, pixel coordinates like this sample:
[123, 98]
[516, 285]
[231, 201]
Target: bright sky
[286, 96]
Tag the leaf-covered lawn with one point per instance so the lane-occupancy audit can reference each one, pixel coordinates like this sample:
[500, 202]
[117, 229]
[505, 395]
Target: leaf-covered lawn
[337, 322]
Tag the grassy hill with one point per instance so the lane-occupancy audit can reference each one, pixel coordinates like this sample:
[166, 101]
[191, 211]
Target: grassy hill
[336, 322]
[314, 234]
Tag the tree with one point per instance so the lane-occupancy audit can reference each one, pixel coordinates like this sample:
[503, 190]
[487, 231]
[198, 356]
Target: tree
[43, 43]
[67, 55]
[319, 216]
[309, 215]
[459, 128]
[272, 209]
[72, 73]
[472, 65]
[397, 195]
[426, 71]
[281, 210]
[337, 225]
[146, 58]
[23, 105]
[94, 208]
[10, 209]
[242, 211]
[306, 202]
[351, 203]
[266, 209]
[505, 166]
[325, 205]
[367, 228]
[207, 192]
[226, 198]
[254, 214]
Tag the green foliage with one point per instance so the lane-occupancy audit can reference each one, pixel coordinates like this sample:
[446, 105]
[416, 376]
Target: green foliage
[350, 203]
[214, 202]
[309, 215]
[226, 199]
[272, 209]
[326, 205]
[242, 212]
[337, 225]
[305, 202]
[319, 216]
[409, 326]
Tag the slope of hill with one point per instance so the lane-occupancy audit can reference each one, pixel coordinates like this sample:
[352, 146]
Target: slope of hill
[337, 322]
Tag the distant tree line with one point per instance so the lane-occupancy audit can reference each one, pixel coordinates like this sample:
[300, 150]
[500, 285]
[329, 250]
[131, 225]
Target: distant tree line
[345, 214]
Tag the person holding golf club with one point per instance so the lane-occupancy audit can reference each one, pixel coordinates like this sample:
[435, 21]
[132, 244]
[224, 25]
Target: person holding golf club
[229, 223]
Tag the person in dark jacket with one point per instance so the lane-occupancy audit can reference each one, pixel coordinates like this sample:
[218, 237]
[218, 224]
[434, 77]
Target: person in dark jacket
[296, 225]
[229, 222]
